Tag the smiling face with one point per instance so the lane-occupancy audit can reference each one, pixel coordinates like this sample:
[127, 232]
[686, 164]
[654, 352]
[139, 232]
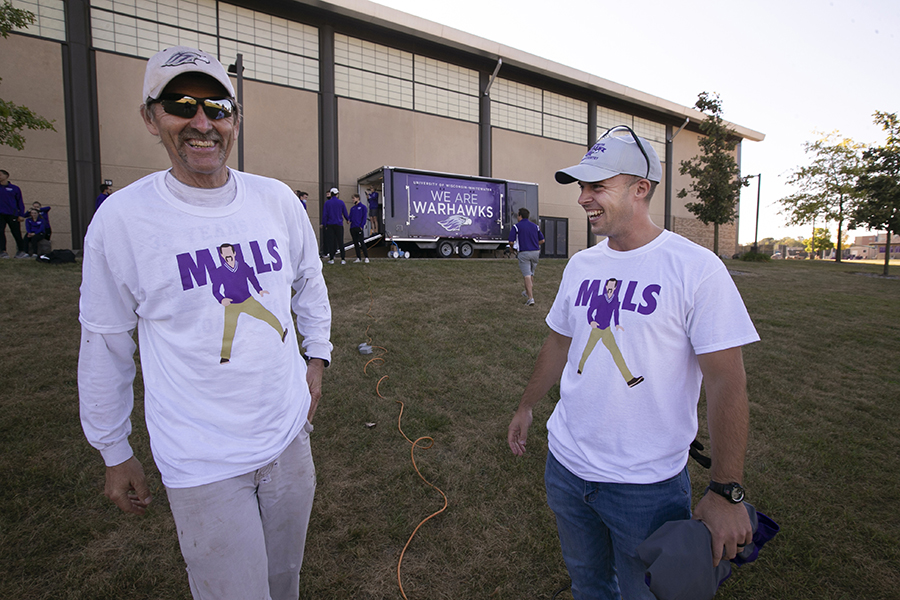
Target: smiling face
[198, 147]
[615, 207]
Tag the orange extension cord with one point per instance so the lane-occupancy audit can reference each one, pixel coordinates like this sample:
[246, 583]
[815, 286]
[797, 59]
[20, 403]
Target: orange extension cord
[414, 444]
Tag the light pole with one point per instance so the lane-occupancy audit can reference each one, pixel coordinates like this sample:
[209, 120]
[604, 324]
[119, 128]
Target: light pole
[238, 69]
[758, 176]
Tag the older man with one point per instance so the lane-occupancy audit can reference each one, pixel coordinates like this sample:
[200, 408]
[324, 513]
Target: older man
[617, 461]
[230, 437]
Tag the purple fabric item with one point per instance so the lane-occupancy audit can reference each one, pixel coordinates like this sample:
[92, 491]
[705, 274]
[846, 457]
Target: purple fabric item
[358, 215]
[11, 202]
[529, 235]
[35, 227]
[236, 283]
[334, 212]
[679, 563]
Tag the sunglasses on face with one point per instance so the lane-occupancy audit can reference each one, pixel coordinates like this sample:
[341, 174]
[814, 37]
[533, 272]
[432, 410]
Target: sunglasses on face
[186, 106]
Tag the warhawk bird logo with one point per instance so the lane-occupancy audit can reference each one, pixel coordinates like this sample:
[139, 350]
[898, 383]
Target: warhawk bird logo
[184, 58]
[455, 222]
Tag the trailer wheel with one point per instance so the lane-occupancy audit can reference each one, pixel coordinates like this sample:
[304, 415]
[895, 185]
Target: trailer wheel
[445, 249]
[466, 249]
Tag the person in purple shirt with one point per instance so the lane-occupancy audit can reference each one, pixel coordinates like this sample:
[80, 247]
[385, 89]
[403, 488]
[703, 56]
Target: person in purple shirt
[527, 238]
[35, 231]
[334, 213]
[358, 215]
[231, 286]
[603, 310]
[12, 212]
[45, 215]
[105, 191]
[374, 212]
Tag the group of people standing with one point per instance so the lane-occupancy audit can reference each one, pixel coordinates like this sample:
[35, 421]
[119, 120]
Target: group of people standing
[13, 213]
[334, 214]
[230, 414]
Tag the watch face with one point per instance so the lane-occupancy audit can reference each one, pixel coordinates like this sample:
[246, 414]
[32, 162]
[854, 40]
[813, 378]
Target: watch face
[737, 493]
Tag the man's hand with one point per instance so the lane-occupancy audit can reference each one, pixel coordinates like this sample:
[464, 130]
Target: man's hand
[728, 523]
[263, 293]
[226, 301]
[517, 434]
[127, 487]
[314, 380]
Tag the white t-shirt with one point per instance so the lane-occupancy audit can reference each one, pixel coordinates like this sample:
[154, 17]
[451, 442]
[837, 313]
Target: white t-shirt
[674, 300]
[149, 262]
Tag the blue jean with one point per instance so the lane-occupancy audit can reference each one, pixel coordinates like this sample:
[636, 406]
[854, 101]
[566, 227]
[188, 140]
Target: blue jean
[600, 526]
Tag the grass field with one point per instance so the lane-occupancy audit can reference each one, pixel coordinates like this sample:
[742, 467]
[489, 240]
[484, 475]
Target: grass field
[823, 459]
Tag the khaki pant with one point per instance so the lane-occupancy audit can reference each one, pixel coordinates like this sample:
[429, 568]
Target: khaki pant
[243, 538]
[609, 341]
[252, 307]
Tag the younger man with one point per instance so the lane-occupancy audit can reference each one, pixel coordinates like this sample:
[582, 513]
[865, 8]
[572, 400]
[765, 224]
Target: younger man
[617, 461]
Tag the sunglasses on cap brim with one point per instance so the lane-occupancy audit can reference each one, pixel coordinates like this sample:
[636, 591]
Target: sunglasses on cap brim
[612, 130]
[186, 106]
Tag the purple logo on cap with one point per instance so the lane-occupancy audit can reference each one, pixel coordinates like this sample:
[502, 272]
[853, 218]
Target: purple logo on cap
[184, 58]
[598, 147]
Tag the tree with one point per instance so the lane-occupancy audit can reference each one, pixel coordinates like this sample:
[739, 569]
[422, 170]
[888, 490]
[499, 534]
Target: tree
[878, 206]
[15, 118]
[789, 242]
[716, 177]
[827, 186]
[820, 240]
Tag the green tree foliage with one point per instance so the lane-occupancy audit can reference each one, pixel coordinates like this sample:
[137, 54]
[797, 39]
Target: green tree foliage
[820, 240]
[716, 177]
[789, 242]
[827, 186]
[15, 118]
[878, 206]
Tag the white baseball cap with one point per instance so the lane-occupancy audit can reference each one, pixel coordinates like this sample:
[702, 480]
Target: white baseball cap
[166, 65]
[334, 191]
[615, 155]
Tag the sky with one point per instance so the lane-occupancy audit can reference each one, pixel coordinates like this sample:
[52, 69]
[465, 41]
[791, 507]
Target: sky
[791, 69]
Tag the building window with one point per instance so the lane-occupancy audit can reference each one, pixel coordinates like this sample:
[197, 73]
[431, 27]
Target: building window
[273, 49]
[445, 89]
[372, 72]
[376, 73]
[556, 237]
[531, 110]
[50, 18]
[655, 133]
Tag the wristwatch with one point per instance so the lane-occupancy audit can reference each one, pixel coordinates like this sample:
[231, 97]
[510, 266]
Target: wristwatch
[733, 492]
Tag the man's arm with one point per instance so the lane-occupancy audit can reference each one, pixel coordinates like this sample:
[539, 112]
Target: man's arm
[728, 416]
[105, 388]
[312, 309]
[548, 369]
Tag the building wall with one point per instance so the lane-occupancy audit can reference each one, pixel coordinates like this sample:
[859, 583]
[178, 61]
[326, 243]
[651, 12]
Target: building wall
[32, 75]
[373, 135]
[127, 149]
[525, 157]
[281, 138]
[398, 103]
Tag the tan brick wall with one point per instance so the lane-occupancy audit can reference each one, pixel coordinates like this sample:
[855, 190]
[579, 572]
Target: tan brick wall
[704, 235]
